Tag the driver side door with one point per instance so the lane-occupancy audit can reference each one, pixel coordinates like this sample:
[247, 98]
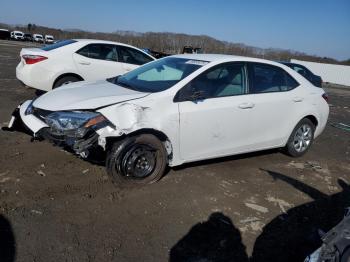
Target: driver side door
[214, 113]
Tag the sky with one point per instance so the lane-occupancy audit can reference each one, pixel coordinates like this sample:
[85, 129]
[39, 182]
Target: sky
[319, 27]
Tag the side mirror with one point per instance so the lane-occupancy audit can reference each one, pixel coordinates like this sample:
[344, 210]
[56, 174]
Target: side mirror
[196, 95]
[189, 93]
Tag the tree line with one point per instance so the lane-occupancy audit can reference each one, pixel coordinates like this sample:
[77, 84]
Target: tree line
[172, 43]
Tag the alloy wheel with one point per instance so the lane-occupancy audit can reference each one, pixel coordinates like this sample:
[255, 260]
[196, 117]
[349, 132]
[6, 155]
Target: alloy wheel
[302, 138]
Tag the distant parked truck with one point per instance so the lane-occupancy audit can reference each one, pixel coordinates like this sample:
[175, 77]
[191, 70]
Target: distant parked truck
[28, 37]
[17, 35]
[191, 50]
[5, 34]
[49, 39]
[38, 38]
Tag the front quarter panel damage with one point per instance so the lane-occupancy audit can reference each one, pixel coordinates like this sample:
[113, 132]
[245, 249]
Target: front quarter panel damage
[129, 117]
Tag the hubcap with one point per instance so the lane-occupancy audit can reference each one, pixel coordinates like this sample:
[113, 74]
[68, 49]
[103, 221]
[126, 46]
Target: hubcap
[302, 138]
[139, 161]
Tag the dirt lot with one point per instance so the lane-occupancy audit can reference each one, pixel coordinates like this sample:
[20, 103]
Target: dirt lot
[266, 206]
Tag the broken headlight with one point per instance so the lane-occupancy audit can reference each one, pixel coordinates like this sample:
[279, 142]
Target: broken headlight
[74, 123]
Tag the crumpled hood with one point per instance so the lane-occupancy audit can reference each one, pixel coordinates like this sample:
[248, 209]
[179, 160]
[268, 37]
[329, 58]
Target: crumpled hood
[85, 95]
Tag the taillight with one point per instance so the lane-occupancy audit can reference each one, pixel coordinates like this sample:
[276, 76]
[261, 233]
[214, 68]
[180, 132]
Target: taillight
[32, 59]
[325, 97]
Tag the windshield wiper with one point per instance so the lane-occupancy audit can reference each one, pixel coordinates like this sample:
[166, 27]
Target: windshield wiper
[123, 84]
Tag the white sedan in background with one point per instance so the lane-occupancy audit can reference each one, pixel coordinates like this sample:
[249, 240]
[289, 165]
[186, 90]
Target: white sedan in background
[180, 109]
[75, 60]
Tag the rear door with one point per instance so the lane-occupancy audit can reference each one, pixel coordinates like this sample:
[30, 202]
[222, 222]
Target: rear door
[98, 61]
[276, 100]
[131, 58]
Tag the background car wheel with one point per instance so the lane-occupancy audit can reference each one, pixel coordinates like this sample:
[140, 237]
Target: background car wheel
[137, 160]
[66, 80]
[301, 138]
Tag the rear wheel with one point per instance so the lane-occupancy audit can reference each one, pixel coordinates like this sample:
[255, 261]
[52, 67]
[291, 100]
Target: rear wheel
[301, 138]
[137, 160]
[66, 80]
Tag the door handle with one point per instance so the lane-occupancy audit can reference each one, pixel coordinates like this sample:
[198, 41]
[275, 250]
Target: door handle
[298, 99]
[84, 63]
[246, 105]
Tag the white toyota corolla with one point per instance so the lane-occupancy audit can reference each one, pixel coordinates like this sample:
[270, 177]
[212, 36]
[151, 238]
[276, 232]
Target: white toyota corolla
[75, 60]
[181, 109]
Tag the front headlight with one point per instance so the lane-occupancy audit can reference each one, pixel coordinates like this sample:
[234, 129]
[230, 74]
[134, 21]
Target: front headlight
[73, 123]
[30, 108]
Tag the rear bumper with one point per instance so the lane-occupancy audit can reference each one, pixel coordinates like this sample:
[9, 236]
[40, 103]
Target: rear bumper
[35, 76]
[322, 118]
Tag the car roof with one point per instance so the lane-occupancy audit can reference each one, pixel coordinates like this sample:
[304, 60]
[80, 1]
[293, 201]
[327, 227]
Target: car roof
[221, 58]
[102, 42]
[107, 42]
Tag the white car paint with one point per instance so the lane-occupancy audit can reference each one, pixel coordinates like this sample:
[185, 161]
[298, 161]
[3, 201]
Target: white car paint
[64, 60]
[30, 120]
[196, 130]
[87, 95]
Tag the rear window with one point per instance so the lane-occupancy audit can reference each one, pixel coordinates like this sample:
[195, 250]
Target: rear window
[58, 44]
[267, 78]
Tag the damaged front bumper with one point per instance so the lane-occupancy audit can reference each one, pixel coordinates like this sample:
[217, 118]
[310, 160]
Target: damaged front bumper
[336, 243]
[35, 125]
[20, 120]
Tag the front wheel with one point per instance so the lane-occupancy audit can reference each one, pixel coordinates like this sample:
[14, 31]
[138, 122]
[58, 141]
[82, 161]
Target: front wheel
[301, 138]
[137, 160]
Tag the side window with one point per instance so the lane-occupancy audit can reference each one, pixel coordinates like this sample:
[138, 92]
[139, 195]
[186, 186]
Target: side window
[300, 70]
[84, 51]
[222, 80]
[265, 78]
[132, 56]
[100, 51]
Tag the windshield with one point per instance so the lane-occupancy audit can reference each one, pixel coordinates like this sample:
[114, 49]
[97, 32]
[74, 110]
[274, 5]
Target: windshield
[159, 75]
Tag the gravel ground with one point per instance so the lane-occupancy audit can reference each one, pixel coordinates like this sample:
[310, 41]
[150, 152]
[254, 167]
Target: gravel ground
[259, 207]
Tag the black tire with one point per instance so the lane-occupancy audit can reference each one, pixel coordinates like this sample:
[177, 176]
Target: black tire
[292, 144]
[66, 80]
[136, 160]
